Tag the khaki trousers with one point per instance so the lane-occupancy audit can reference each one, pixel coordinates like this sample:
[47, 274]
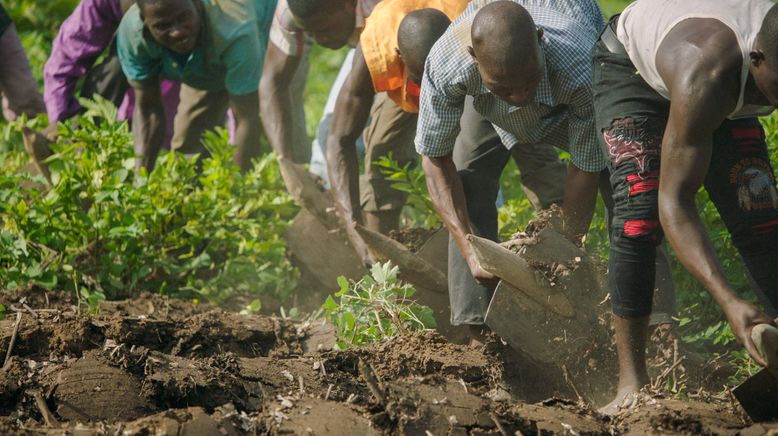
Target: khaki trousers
[390, 130]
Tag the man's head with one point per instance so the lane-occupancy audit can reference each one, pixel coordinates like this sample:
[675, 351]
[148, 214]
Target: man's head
[331, 22]
[764, 58]
[507, 50]
[418, 32]
[175, 24]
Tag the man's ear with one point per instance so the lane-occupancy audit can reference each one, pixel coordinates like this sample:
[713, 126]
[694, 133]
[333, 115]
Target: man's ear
[540, 33]
[757, 57]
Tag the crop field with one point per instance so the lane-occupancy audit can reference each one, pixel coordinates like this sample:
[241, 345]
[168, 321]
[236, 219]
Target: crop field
[198, 300]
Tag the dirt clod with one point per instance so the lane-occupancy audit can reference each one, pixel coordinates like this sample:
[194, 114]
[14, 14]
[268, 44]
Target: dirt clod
[152, 366]
[413, 238]
[91, 390]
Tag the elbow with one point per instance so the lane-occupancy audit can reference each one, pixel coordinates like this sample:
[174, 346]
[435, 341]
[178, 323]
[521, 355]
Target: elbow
[429, 163]
[669, 208]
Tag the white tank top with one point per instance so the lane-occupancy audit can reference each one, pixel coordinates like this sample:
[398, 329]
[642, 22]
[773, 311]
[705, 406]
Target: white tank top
[644, 24]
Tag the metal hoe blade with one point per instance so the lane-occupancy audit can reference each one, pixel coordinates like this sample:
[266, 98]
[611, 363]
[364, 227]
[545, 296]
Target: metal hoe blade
[759, 396]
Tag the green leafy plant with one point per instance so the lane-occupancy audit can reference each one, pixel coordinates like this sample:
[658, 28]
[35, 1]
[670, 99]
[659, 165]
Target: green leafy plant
[375, 308]
[410, 179]
[191, 227]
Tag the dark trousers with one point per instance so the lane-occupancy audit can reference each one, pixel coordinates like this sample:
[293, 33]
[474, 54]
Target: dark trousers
[106, 79]
[480, 158]
[631, 117]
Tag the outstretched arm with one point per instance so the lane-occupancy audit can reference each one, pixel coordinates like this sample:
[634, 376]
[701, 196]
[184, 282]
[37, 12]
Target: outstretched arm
[701, 98]
[448, 196]
[148, 124]
[579, 201]
[276, 105]
[245, 108]
[352, 110]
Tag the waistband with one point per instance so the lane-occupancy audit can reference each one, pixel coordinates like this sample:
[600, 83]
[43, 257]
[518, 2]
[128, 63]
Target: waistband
[609, 39]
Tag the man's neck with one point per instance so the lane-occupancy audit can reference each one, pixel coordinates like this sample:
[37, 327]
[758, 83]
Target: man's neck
[752, 95]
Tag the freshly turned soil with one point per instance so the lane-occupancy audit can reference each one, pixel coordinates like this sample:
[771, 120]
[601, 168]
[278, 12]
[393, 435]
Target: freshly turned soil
[156, 366]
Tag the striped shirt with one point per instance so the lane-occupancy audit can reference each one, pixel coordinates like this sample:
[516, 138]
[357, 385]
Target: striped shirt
[287, 35]
[561, 112]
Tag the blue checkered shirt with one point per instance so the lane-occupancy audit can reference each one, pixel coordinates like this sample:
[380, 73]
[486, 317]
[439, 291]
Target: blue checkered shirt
[561, 113]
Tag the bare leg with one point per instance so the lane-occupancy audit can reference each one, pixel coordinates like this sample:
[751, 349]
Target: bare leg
[631, 348]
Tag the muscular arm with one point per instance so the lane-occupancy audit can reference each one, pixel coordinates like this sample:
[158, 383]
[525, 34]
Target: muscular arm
[148, 126]
[276, 105]
[448, 196]
[352, 110]
[579, 201]
[702, 95]
[245, 108]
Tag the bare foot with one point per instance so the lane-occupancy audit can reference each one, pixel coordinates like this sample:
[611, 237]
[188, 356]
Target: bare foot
[627, 398]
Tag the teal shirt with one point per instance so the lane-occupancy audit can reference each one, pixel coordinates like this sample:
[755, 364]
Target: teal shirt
[229, 53]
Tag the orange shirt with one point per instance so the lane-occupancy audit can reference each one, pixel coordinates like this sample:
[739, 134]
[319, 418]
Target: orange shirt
[379, 44]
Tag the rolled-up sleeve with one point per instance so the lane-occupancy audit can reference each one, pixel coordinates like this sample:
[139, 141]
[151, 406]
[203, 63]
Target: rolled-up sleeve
[286, 34]
[83, 36]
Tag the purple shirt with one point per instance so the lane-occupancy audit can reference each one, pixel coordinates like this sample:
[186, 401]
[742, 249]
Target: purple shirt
[84, 35]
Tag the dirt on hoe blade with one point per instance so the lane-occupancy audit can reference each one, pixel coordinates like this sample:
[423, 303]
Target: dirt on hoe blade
[156, 366]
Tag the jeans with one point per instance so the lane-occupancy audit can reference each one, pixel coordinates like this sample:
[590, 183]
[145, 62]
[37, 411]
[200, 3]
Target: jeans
[631, 117]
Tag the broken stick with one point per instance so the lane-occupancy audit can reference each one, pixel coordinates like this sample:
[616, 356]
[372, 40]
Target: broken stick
[13, 340]
[48, 417]
[372, 382]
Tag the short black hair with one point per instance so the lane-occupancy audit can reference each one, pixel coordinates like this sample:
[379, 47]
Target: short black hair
[768, 35]
[308, 8]
[419, 31]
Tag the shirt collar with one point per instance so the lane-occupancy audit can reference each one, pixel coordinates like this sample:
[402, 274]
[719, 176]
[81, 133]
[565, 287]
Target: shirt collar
[544, 95]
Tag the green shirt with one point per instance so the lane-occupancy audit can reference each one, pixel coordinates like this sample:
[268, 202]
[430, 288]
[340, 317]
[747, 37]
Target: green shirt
[229, 52]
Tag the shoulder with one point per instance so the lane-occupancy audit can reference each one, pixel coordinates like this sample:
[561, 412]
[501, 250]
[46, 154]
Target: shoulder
[130, 32]
[283, 18]
[230, 17]
[449, 63]
[568, 53]
[701, 56]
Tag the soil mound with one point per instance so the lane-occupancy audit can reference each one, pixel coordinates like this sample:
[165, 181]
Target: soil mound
[151, 366]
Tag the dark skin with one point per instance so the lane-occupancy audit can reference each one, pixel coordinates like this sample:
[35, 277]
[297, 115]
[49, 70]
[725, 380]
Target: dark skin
[446, 189]
[176, 25]
[330, 30]
[352, 110]
[703, 92]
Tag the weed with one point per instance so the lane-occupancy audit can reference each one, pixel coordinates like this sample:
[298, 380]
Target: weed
[409, 179]
[375, 308]
[103, 230]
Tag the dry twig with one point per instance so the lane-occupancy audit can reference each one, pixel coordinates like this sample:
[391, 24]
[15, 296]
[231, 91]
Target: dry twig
[13, 340]
[372, 382]
[51, 421]
[570, 383]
